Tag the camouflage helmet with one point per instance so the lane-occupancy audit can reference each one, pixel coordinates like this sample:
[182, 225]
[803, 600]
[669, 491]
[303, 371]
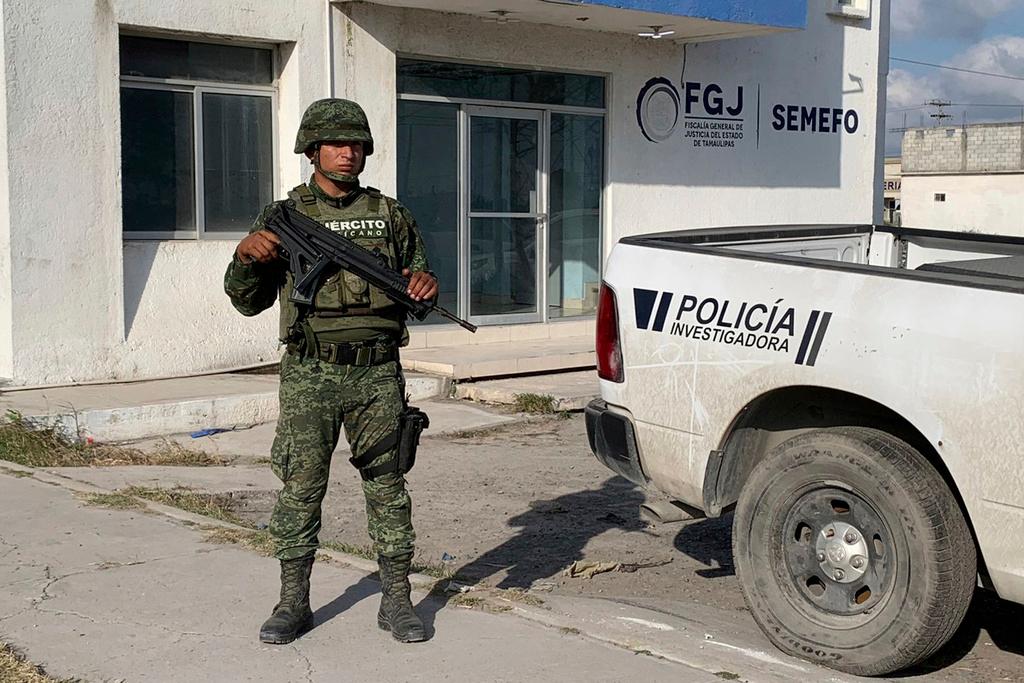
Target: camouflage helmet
[333, 120]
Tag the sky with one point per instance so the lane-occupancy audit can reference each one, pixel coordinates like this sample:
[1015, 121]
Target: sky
[982, 35]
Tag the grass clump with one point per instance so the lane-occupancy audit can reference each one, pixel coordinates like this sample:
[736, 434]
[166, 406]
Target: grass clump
[521, 595]
[35, 444]
[260, 542]
[363, 551]
[16, 669]
[206, 504]
[538, 404]
[466, 601]
[114, 501]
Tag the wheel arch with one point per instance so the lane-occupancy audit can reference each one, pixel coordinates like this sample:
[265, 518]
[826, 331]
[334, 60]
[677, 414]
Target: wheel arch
[783, 413]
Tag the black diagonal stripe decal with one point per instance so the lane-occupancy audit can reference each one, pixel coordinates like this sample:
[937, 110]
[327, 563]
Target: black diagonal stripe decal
[643, 303]
[825, 318]
[659, 321]
[808, 333]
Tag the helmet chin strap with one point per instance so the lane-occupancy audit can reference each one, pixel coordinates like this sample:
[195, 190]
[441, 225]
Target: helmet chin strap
[337, 177]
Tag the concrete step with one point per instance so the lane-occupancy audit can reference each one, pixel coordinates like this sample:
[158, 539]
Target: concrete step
[567, 390]
[503, 359]
[248, 449]
[139, 410]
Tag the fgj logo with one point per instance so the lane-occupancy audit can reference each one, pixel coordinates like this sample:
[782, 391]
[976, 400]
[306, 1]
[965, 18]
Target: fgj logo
[771, 327]
[711, 116]
[657, 109]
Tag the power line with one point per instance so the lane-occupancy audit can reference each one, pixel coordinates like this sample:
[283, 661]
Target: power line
[956, 104]
[971, 104]
[956, 68]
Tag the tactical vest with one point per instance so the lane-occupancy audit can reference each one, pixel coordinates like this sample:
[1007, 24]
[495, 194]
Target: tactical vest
[367, 223]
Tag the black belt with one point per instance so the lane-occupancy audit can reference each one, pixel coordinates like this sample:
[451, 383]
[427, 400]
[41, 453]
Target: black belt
[355, 354]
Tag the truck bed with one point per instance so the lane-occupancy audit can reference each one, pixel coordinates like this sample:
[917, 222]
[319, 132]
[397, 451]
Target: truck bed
[965, 259]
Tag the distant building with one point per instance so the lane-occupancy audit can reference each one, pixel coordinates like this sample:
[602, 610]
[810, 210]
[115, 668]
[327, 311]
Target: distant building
[891, 187]
[964, 178]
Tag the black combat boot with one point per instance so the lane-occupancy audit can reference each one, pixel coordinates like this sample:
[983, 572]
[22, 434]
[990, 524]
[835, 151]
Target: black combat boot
[396, 613]
[292, 616]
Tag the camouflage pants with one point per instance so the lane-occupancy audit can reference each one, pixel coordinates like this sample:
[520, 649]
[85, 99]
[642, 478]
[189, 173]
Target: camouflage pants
[317, 400]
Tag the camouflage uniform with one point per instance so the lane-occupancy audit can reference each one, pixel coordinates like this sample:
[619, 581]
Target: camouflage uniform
[341, 370]
[318, 397]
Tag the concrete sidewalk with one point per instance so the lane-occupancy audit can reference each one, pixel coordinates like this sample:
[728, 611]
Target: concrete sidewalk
[123, 595]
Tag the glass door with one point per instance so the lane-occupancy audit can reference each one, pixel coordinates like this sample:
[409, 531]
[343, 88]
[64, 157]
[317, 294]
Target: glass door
[504, 215]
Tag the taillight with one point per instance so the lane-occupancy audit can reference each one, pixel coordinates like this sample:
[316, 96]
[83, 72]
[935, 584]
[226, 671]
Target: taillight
[609, 351]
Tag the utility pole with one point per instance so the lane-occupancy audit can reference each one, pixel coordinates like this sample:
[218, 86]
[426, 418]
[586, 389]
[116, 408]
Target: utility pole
[940, 114]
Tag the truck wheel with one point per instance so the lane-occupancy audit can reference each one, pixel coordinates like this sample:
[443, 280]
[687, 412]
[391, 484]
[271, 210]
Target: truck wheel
[852, 551]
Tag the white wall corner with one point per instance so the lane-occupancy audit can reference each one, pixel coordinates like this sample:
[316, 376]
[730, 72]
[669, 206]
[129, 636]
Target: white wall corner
[6, 289]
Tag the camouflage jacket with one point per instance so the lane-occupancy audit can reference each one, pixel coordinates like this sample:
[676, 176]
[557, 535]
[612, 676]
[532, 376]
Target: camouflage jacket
[254, 287]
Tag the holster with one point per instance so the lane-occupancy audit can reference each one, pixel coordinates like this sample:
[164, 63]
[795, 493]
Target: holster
[406, 437]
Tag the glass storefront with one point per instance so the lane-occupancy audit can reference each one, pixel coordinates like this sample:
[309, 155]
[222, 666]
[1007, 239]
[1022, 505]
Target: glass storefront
[503, 170]
[428, 184]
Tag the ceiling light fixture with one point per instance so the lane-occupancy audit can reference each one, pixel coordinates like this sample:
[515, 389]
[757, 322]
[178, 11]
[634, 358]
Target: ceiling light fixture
[501, 16]
[655, 33]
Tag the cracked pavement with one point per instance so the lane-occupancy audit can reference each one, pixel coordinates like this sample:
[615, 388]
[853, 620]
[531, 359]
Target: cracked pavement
[104, 595]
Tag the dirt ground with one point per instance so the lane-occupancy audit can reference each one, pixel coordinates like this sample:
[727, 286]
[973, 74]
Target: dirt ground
[514, 506]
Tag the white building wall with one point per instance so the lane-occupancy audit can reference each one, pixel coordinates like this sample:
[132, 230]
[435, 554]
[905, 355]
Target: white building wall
[782, 177]
[86, 304]
[988, 203]
[6, 302]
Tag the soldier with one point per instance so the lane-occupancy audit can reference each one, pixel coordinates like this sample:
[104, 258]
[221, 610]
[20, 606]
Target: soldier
[341, 369]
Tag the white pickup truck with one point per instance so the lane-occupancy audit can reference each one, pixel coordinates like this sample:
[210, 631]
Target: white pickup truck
[856, 393]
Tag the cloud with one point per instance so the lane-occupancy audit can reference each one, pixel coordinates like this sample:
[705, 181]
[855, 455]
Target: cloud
[965, 19]
[907, 90]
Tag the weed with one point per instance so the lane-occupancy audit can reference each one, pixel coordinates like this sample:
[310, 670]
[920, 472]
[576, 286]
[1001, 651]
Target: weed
[363, 551]
[209, 505]
[16, 669]
[260, 542]
[35, 444]
[114, 501]
[467, 601]
[570, 631]
[521, 595]
[727, 675]
[540, 404]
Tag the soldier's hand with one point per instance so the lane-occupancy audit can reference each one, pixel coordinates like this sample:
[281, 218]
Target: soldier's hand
[422, 286]
[260, 246]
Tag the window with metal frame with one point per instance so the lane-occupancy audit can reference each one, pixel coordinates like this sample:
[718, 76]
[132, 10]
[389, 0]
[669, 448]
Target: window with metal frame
[442, 113]
[197, 137]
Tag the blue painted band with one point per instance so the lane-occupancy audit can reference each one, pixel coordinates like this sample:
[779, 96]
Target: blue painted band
[780, 13]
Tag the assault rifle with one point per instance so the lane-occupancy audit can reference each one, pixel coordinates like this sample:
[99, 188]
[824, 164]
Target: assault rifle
[312, 250]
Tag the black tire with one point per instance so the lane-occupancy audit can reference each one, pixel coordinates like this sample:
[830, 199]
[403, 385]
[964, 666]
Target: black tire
[914, 558]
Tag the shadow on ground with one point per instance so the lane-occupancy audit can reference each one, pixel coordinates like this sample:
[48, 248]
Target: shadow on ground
[362, 589]
[708, 541]
[1000, 619]
[567, 522]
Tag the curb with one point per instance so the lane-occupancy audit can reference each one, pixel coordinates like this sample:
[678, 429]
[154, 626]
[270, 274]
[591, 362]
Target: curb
[177, 514]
